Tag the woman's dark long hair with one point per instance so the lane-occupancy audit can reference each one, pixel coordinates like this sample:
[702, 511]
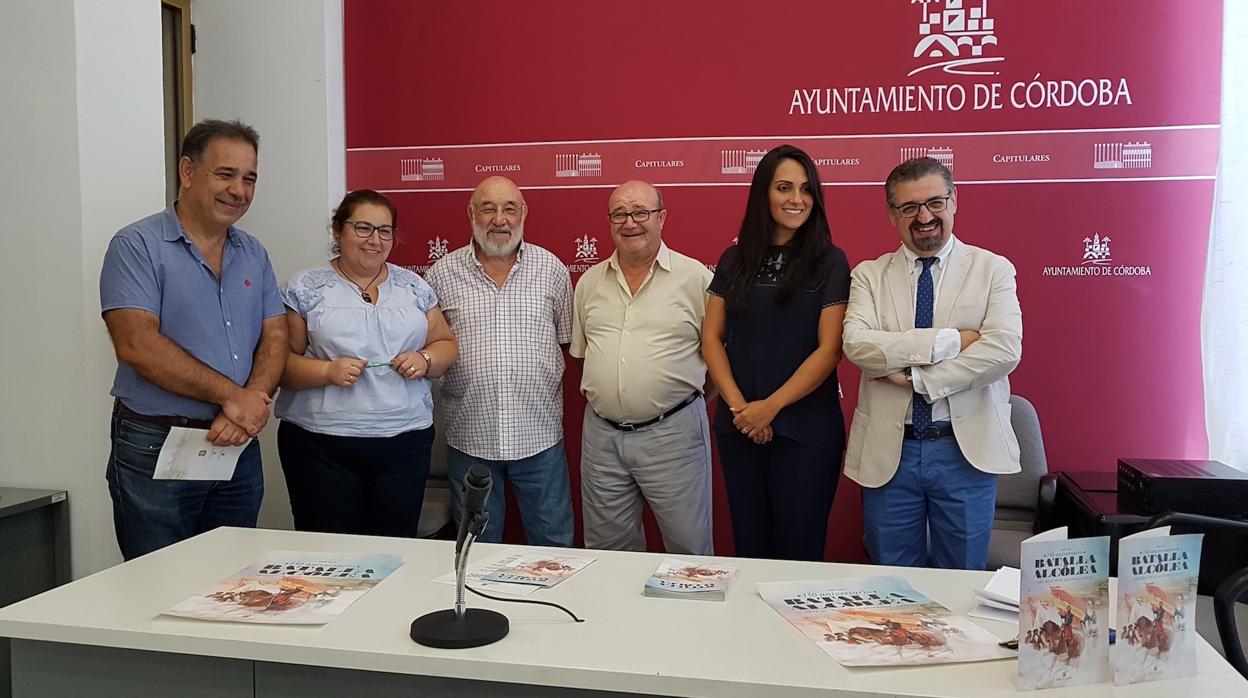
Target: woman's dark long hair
[810, 242]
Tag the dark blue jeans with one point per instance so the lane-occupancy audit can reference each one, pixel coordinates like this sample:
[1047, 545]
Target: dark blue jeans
[542, 491]
[936, 495]
[151, 514]
[355, 484]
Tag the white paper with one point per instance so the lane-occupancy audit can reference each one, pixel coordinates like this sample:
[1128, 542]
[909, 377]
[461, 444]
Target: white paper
[474, 576]
[991, 603]
[1002, 588]
[990, 613]
[189, 455]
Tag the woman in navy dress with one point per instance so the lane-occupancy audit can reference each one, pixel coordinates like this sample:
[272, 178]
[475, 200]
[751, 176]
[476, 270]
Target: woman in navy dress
[772, 340]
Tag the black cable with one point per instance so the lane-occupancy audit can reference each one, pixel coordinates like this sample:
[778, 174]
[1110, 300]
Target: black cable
[539, 603]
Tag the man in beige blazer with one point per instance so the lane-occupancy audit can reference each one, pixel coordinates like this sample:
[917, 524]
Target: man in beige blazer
[936, 329]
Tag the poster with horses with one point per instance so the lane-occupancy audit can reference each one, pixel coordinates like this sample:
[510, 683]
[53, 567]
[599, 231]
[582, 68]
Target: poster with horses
[291, 587]
[879, 621]
[1063, 613]
[1157, 575]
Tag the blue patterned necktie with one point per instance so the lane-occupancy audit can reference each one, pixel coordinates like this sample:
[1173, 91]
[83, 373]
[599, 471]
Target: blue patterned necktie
[922, 409]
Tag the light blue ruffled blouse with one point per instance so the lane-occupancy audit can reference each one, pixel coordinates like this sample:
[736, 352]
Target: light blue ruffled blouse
[342, 324]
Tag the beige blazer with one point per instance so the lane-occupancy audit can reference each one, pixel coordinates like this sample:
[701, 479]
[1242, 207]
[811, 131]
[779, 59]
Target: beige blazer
[977, 292]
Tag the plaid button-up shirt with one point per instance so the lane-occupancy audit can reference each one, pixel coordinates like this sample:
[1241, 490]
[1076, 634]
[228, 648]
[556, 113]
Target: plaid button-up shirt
[504, 395]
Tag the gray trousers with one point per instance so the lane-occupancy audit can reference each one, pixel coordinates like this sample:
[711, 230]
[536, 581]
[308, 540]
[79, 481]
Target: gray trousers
[668, 463]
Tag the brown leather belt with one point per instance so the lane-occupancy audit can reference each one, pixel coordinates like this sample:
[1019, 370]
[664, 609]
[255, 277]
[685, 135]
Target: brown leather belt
[121, 409]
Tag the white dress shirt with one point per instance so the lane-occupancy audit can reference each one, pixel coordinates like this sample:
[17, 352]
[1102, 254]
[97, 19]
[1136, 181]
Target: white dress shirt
[948, 342]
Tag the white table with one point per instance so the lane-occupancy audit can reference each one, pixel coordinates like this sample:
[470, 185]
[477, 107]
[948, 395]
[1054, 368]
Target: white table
[104, 635]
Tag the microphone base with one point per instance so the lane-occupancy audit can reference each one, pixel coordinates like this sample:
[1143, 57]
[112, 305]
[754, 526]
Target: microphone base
[446, 630]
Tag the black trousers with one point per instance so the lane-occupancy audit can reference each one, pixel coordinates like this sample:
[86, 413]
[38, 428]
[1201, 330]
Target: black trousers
[355, 484]
[779, 494]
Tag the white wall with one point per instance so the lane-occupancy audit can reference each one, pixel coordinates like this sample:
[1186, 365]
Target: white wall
[80, 129]
[278, 66]
[82, 137]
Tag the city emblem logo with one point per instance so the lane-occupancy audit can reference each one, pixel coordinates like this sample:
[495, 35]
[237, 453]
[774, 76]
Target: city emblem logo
[1126, 156]
[586, 249]
[739, 161]
[437, 249]
[1096, 250]
[422, 169]
[955, 38]
[943, 155]
[1098, 261]
[578, 165]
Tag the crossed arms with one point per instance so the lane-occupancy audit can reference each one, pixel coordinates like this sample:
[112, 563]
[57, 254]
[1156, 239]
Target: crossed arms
[982, 360]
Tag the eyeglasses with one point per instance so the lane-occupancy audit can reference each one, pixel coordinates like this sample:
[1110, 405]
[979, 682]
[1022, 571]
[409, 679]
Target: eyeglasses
[365, 230]
[639, 216]
[935, 205]
[509, 211]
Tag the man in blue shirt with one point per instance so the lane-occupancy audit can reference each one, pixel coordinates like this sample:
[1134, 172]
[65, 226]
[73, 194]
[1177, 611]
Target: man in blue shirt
[199, 330]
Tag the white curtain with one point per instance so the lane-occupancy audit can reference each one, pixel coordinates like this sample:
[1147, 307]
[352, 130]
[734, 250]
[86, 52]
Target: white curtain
[1224, 321]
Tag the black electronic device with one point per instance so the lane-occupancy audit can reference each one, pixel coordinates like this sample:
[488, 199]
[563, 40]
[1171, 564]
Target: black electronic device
[461, 627]
[1154, 486]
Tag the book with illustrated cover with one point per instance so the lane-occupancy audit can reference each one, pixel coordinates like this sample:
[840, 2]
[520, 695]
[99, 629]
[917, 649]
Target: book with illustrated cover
[290, 587]
[681, 579]
[475, 576]
[539, 569]
[879, 621]
[1063, 615]
[1157, 576]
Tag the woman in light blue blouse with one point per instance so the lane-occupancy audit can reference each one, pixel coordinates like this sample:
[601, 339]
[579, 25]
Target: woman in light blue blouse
[356, 409]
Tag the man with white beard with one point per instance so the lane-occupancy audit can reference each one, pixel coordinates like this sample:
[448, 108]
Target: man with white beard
[509, 303]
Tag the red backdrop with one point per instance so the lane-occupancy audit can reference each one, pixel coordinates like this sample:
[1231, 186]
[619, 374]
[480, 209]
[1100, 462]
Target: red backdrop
[1083, 136]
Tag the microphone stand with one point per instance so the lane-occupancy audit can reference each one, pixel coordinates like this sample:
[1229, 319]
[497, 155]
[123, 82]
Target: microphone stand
[461, 627]
[461, 575]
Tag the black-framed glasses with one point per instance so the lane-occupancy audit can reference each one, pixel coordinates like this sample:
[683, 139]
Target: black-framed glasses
[366, 230]
[638, 216]
[935, 205]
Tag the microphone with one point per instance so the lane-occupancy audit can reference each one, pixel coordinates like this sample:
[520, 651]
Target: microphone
[460, 627]
[476, 490]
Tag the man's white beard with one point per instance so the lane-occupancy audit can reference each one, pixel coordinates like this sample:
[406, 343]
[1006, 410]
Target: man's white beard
[492, 249]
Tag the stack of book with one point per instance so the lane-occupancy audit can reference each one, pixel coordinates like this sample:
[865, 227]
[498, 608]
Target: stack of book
[681, 579]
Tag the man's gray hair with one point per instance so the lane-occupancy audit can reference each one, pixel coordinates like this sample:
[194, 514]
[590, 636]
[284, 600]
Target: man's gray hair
[915, 168]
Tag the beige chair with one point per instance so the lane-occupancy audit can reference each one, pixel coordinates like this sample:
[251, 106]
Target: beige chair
[435, 513]
[1017, 494]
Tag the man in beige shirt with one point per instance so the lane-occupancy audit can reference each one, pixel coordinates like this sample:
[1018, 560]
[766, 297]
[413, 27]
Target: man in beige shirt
[637, 323]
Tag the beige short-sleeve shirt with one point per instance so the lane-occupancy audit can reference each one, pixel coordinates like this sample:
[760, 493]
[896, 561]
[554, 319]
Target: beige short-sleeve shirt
[643, 352]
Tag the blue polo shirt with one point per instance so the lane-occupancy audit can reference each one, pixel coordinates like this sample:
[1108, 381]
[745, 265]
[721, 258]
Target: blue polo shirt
[152, 265]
